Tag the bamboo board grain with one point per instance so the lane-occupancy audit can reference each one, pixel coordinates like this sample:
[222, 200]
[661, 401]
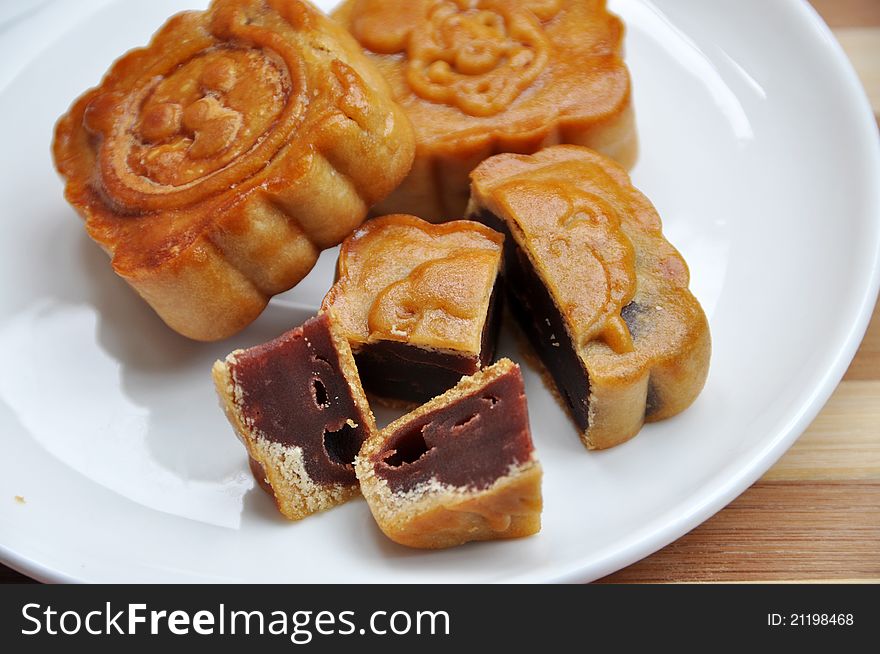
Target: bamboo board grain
[866, 364]
[862, 46]
[841, 444]
[849, 13]
[815, 516]
[777, 531]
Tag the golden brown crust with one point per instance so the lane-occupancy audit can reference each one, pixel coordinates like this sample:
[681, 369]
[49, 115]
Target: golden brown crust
[479, 77]
[436, 515]
[216, 163]
[402, 279]
[584, 226]
[511, 508]
[278, 468]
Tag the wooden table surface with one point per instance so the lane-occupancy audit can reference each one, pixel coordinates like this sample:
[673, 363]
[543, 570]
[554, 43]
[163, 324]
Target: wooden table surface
[815, 516]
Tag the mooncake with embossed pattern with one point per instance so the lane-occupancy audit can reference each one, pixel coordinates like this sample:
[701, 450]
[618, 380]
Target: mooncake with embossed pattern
[601, 294]
[418, 303]
[216, 163]
[481, 77]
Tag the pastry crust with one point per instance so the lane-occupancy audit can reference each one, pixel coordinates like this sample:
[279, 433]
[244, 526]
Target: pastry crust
[402, 279]
[216, 163]
[480, 77]
[417, 303]
[436, 514]
[596, 245]
[280, 466]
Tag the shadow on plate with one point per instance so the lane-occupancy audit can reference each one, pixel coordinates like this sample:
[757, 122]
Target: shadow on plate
[168, 374]
[258, 506]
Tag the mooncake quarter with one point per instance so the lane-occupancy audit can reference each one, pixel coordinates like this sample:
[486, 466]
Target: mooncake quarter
[601, 294]
[460, 468]
[418, 303]
[297, 405]
[480, 77]
[216, 163]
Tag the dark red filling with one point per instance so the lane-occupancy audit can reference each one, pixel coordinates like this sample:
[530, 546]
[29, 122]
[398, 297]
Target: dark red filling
[470, 442]
[537, 314]
[401, 371]
[637, 320]
[294, 393]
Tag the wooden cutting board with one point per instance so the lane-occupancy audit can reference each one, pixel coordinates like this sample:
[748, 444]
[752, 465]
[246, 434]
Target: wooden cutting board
[815, 516]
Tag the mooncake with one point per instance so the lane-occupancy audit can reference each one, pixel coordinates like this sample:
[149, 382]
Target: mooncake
[480, 77]
[460, 468]
[215, 164]
[600, 293]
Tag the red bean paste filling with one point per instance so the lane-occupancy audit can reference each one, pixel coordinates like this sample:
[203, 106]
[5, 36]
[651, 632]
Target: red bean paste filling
[468, 443]
[401, 371]
[533, 308]
[537, 314]
[295, 393]
[637, 320]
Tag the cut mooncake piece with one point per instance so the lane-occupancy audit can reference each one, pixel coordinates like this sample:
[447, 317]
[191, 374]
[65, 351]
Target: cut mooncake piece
[460, 468]
[480, 77]
[215, 164]
[418, 303]
[297, 405]
[600, 293]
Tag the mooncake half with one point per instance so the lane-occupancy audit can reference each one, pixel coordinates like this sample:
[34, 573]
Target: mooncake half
[601, 294]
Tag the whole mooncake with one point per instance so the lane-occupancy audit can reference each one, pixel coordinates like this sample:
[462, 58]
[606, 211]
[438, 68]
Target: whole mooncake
[480, 77]
[601, 294]
[216, 163]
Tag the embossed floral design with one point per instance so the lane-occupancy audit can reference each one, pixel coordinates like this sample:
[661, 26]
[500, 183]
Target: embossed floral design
[592, 228]
[191, 122]
[477, 55]
[479, 77]
[207, 124]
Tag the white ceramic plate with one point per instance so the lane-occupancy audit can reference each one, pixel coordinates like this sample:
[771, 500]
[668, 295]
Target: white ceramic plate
[758, 149]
